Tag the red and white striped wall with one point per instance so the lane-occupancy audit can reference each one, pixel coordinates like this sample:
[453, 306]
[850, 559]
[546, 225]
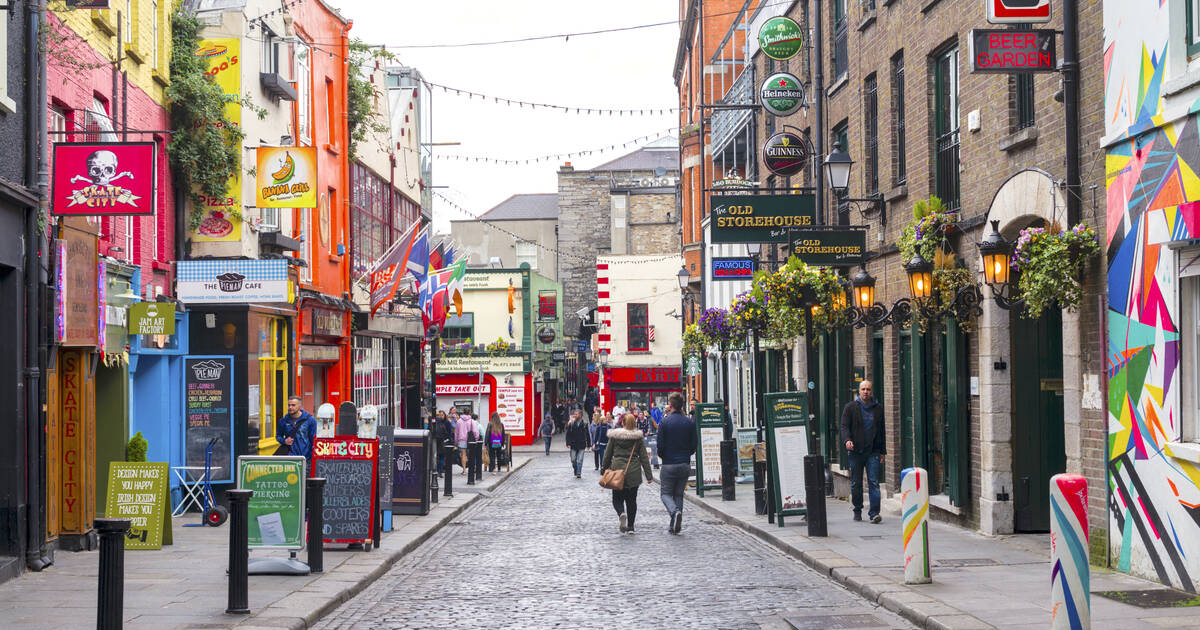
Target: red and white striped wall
[604, 316]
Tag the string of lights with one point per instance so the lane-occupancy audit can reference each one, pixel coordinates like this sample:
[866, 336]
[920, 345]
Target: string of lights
[591, 111]
[552, 156]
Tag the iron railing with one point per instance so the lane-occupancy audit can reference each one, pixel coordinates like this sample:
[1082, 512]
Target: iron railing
[946, 173]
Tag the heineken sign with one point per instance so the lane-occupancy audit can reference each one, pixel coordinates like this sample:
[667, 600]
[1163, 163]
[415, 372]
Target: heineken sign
[785, 154]
[760, 218]
[830, 247]
[782, 94]
[780, 38]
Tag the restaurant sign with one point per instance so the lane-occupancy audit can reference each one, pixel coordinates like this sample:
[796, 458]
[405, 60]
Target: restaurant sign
[548, 305]
[287, 177]
[782, 94]
[450, 365]
[736, 268]
[780, 38]
[785, 154]
[232, 281]
[92, 178]
[1003, 50]
[760, 218]
[831, 247]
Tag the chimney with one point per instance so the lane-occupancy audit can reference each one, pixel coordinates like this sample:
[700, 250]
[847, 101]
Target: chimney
[566, 168]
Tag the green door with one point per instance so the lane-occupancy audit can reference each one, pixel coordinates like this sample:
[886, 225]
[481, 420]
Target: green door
[906, 401]
[1037, 390]
[957, 413]
[921, 420]
[877, 366]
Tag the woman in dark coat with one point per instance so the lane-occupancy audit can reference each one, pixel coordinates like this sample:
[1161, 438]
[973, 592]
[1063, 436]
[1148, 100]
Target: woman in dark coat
[627, 451]
[599, 436]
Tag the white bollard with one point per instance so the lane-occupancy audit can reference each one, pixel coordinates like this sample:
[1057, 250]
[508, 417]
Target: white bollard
[914, 520]
[1070, 575]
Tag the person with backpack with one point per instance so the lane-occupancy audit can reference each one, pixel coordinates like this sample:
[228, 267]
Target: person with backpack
[474, 451]
[578, 441]
[547, 431]
[600, 436]
[462, 438]
[296, 430]
[495, 442]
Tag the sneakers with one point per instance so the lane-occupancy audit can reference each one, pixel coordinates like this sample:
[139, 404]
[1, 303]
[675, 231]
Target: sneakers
[631, 531]
[858, 516]
[624, 525]
[676, 522]
[877, 519]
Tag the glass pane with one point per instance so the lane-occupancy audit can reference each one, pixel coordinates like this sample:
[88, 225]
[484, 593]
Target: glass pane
[638, 315]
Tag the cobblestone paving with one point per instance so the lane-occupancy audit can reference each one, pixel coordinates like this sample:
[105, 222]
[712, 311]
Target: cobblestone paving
[543, 551]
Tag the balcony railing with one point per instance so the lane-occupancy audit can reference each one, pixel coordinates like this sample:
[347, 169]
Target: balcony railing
[946, 172]
[726, 123]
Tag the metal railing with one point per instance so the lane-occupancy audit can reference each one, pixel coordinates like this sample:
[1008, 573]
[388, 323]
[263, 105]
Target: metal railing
[726, 123]
[946, 173]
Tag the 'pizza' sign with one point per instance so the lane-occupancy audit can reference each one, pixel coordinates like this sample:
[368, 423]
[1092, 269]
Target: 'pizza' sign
[113, 178]
[1018, 11]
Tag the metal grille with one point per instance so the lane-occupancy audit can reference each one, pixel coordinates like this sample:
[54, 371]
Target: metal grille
[371, 366]
[899, 159]
[1024, 101]
[947, 169]
[871, 130]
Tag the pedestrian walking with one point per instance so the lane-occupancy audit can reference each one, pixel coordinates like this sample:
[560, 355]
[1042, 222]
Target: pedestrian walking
[578, 441]
[495, 442]
[618, 415]
[547, 432]
[627, 447]
[676, 445]
[443, 439]
[599, 437]
[296, 430]
[862, 433]
[474, 451]
[462, 439]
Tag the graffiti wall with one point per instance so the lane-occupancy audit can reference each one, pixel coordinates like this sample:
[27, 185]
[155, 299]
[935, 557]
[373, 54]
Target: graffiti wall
[1153, 199]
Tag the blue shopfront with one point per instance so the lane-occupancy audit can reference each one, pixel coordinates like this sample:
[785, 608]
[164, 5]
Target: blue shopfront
[156, 400]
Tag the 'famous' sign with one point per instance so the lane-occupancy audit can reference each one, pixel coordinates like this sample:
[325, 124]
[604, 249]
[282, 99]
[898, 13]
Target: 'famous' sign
[92, 178]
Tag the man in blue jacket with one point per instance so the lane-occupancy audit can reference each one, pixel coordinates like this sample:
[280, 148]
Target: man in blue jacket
[676, 444]
[297, 429]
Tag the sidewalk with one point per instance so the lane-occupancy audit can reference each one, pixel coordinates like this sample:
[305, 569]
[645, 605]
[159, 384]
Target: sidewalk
[184, 585]
[979, 581]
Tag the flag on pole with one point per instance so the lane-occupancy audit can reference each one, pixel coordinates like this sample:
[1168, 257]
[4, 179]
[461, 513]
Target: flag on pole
[383, 273]
[418, 259]
[437, 255]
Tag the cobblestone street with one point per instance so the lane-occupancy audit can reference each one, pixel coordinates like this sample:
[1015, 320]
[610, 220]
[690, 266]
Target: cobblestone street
[543, 551]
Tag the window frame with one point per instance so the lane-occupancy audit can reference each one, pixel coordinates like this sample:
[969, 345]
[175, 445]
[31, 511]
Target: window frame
[154, 32]
[899, 133]
[1024, 104]
[470, 328]
[1192, 27]
[871, 133]
[6, 103]
[630, 326]
[303, 65]
[532, 259]
[1189, 320]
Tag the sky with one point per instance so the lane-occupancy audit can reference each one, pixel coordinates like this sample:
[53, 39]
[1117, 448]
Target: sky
[630, 69]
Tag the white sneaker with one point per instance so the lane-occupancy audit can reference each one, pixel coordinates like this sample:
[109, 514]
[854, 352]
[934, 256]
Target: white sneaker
[624, 526]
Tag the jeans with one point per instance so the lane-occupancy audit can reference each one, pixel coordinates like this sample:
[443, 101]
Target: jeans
[473, 462]
[625, 502]
[547, 438]
[672, 480]
[652, 444]
[577, 460]
[599, 453]
[494, 457]
[859, 461]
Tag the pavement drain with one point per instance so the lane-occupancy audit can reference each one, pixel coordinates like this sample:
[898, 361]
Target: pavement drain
[459, 523]
[835, 622]
[966, 562]
[871, 537]
[1152, 598]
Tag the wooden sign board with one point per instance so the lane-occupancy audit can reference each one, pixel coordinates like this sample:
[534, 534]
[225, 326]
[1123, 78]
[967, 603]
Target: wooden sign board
[710, 423]
[350, 468]
[138, 491]
[787, 444]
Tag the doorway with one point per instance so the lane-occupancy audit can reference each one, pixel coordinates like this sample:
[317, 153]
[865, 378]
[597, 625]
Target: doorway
[1037, 391]
[313, 390]
[906, 401]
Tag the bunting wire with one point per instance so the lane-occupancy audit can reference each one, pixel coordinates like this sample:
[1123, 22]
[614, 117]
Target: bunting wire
[552, 156]
[590, 111]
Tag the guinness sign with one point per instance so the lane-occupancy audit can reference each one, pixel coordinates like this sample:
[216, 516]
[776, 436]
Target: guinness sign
[782, 94]
[785, 154]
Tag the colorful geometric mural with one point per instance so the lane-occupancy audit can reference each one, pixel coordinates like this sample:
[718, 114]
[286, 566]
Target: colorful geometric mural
[1153, 199]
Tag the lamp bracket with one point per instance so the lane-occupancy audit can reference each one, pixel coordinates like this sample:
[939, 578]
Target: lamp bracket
[865, 205]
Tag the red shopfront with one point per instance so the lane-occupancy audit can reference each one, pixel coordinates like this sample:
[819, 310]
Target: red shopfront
[324, 348]
[493, 386]
[646, 387]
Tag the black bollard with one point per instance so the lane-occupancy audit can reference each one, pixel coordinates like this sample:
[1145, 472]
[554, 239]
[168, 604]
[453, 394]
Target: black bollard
[449, 469]
[316, 523]
[239, 551]
[760, 487]
[814, 494]
[728, 467]
[434, 474]
[110, 607]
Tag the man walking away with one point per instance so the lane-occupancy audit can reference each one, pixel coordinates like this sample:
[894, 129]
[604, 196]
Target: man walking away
[474, 451]
[296, 430]
[862, 433]
[547, 431]
[578, 441]
[676, 444]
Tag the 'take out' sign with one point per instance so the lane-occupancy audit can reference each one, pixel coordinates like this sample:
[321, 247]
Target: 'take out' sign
[1018, 11]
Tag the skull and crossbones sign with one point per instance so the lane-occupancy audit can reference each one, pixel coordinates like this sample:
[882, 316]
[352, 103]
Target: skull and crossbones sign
[102, 169]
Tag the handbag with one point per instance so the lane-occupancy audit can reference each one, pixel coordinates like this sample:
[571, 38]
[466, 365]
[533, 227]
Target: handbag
[284, 449]
[615, 479]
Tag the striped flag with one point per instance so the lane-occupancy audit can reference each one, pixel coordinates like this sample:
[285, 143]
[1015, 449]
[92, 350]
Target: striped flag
[390, 268]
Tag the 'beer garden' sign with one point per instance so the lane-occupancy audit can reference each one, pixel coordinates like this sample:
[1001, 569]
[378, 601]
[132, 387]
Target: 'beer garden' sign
[760, 218]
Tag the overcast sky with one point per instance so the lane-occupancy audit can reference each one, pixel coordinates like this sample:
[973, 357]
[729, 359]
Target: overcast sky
[630, 69]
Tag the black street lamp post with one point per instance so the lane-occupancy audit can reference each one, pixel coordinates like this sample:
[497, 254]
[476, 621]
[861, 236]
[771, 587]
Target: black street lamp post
[760, 467]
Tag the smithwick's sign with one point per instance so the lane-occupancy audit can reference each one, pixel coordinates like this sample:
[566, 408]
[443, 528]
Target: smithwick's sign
[287, 178]
[780, 38]
[782, 94]
[996, 50]
[111, 178]
[785, 154]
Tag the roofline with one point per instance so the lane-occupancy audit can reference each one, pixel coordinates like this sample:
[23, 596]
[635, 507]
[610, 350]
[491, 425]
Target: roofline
[499, 220]
[685, 32]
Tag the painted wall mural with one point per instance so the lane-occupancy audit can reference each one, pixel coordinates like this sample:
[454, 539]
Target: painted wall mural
[1153, 198]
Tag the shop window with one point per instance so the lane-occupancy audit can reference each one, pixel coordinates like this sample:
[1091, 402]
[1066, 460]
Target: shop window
[371, 361]
[304, 92]
[459, 329]
[639, 327]
[527, 253]
[1192, 29]
[267, 378]
[1189, 310]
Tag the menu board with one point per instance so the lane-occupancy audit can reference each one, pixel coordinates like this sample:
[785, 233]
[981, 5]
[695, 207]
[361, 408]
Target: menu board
[208, 412]
[138, 491]
[350, 467]
[746, 439]
[787, 444]
[409, 473]
[510, 404]
[710, 422]
[276, 511]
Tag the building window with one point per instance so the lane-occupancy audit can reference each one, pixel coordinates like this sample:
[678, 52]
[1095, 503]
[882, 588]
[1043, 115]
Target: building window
[6, 103]
[945, 124]
[1022, 101]
[304, 235]
[127, 22]
[899, 148]
[871, 133]
[459, 329]
[527, 252]
[304, 94]
[1189, 310]
[841, 29]
[371, 230]
[639, 327]
[1192, 26]
[841, 136]
[331, 111]
[371, 362]
[98, 123]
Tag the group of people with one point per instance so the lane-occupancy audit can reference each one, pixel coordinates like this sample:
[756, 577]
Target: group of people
[461, 437]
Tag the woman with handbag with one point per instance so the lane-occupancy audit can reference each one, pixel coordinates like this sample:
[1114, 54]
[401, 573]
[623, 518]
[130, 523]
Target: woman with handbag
[625, 446]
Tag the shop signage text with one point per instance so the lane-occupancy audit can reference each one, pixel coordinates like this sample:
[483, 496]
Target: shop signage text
[490, 280]
[737, 268]
[287, 177]
[449, 365]
[328, 323]
[93, 178]
[780, 38]
[1018, 11]
[782, 94]
[232, 281]
[830, 246]
[276, 513]
[313, 352]
[220, 215]
[785, 154]
[547, 305]
[472, 390]
[760, 218]
[77, 392]
[996, 50]
[78, 286]
[664, 375]
[151, 318]
[546, 334]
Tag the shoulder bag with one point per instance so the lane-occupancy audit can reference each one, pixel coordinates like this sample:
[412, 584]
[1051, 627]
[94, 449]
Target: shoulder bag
[284, 449]
[615, 479]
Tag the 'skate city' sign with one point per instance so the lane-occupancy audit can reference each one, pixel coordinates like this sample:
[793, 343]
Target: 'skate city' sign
[93, 178]
[1002, 50]
[760, 218]
[348, 465]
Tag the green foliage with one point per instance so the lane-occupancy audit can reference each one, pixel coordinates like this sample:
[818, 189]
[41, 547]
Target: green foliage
[1050, 262]
[694, 341]
[136, 448]
[205, 148]
[927, 231]
[499, 347]
[794, 288]
[362, 118]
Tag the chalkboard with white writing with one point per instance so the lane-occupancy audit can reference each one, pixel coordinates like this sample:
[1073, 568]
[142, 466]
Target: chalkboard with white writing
[208, 413]
[350, 468]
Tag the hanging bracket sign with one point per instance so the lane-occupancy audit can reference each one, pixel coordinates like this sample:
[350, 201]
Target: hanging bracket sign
[830, 247]
[1018, 11]
[785, 154]
[782, 94]
[1007, 51]
[780, 38]
[760, 218]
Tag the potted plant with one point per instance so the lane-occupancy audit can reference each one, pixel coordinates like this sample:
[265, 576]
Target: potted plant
[499, 347]
[1049, 262]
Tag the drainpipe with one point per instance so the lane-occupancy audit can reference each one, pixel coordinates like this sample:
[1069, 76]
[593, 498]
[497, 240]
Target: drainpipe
[1070, 70]
[819, 108]
[33, 419]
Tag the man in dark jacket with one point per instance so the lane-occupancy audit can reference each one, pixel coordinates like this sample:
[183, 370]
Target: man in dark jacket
[578, 440]
[676, 444]
[297, 429]
[862, 434]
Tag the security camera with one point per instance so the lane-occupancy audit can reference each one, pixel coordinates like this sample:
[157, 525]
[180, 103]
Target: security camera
[584, 312]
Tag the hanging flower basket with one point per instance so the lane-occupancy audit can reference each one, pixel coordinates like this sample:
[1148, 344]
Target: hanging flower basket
[749, 311]
[499, 347]
[463, 349]
[929, 232]
[1050, 262]
[717, 325]
[694, 341]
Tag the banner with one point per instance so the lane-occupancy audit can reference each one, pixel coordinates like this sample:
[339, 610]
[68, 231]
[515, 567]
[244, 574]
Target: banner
[151, 318]
[138, 491]
[286, 177]
[113, 178]
[276, 511]
[220, 217]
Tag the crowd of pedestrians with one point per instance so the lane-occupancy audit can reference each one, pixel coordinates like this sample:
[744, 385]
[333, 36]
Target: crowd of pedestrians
[462, 440]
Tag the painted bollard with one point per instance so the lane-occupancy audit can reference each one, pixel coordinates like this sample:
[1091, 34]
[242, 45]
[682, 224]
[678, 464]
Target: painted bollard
[914, 509]
[1070, 575]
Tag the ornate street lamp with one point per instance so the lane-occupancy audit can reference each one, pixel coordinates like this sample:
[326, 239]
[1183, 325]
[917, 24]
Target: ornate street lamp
[997, 271]
[863, 286]
[920, 277]
[837, 169]
[684, 277]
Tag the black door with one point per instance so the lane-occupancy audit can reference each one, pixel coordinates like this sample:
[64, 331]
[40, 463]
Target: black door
[1037, 417]
[906, 402]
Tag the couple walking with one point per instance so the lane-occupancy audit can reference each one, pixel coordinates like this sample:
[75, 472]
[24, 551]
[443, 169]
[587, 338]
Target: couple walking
[627, 447]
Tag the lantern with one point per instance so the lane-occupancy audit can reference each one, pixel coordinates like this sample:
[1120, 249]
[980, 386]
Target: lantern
[864, 289]
[995, 252]
[920, 277]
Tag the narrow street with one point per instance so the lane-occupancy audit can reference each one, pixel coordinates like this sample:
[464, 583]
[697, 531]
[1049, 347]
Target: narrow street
[543, 551]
